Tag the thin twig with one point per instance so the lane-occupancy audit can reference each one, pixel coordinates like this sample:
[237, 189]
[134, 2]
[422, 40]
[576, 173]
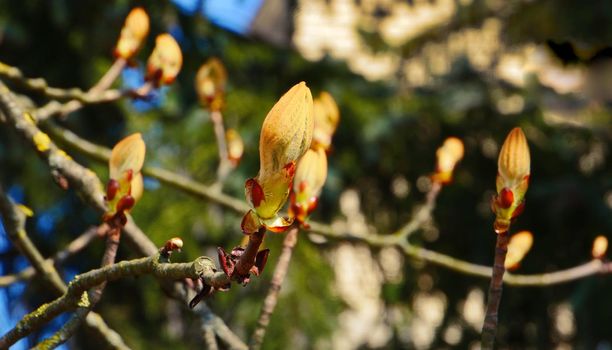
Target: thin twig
[41, 85]
[110, 76]
[225, 166]
[489, 327]
[423, 214]
[280, 271]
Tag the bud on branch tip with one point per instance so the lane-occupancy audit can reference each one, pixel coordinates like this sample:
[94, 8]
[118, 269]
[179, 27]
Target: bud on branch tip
[513, 171]
[133, 34]
[165, 61]
[125, 185]
[285, 135]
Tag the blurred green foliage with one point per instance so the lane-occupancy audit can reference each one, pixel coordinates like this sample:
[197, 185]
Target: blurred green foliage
[387, 131]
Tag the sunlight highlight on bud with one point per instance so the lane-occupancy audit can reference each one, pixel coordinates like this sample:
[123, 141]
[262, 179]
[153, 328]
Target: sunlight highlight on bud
[165, 61]
[518, 247]
[133, 34]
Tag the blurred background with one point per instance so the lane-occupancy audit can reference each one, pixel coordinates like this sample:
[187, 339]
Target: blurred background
[406, 75]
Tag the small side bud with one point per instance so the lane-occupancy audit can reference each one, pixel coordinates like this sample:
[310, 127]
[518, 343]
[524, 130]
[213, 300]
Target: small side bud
[600, 247]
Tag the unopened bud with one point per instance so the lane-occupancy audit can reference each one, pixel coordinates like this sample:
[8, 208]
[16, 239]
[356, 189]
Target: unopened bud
[210, 84]
[125, 185]
[600, 247]
[326, 118]
[512, 180]
[447, 158]
[133, 33]
[235, 146]
[518, 247]
[165, 61]
[309, 180]
[285, 135]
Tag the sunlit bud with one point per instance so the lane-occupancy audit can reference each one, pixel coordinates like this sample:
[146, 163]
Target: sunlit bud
[285, 135]
[235, 146]
[125, 185]
[175, 243]
[600, 247]
[133, 33]
[326, 118]
[308, 182]
[165, 61]
[447, 158]
[518, 247]
[512, 180]
[210, 84]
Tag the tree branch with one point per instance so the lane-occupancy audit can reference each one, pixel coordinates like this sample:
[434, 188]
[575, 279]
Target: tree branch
[489, 327]
[76, 295]
[41, 85]
[280, 271]
[375, 239]
[67, 172]
[14, 221]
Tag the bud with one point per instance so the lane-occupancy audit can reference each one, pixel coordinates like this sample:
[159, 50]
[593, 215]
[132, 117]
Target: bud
[518, 247]
[326, 118]
[512, 180]
[125, 185]
[600, 247]
[285, 135]
[309, 180]
[210, 84]
[235, 146]
[133, 33]
[447, 158]
[165, 61]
